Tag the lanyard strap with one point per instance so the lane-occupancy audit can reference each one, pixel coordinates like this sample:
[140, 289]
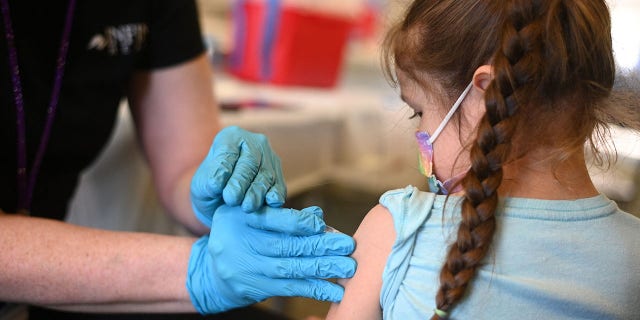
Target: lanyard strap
[26, 183]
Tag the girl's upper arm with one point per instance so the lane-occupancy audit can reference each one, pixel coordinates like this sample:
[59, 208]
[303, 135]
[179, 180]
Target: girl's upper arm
[374, 239]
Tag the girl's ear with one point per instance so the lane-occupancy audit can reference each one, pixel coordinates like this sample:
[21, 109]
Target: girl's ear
[482, 77]
[475, 108]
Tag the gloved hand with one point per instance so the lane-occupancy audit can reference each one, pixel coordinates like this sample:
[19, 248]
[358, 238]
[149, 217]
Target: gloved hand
[248, 258]
[240, 169]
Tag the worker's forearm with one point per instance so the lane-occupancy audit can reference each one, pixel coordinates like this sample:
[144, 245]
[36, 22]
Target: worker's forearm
[180, 205]
[176, 118]
[47, 262]
[134, 307]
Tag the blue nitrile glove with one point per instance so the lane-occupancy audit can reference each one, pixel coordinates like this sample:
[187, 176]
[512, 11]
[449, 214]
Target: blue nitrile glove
[248, 258]
[240, 169]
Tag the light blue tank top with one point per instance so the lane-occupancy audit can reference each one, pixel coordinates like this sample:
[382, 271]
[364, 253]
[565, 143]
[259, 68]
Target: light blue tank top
[550, 259]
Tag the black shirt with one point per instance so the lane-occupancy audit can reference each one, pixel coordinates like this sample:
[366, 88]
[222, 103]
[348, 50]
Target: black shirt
[109, 41]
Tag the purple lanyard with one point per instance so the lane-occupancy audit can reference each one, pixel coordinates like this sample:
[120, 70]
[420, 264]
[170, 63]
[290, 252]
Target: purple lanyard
[26, 183]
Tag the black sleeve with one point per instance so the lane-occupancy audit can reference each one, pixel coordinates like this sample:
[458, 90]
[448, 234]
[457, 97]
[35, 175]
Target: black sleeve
[174, 34]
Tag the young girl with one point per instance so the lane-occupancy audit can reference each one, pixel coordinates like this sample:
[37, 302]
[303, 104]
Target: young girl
[513, 227]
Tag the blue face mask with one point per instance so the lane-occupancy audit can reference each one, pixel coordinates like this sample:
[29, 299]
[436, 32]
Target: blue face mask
[425, 146]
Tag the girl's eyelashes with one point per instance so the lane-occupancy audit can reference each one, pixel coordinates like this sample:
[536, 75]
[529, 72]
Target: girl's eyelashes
[416, 114]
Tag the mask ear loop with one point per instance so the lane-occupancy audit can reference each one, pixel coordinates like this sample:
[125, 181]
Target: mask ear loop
[450, 114]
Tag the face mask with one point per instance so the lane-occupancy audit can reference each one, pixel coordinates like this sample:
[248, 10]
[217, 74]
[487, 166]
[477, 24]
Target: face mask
[425, 146]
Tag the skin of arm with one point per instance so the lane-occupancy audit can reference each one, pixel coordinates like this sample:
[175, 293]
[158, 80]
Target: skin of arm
[374, 239]
[63, 266]
[176, 117]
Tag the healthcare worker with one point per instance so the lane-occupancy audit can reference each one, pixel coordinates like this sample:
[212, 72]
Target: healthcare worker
[65, 67]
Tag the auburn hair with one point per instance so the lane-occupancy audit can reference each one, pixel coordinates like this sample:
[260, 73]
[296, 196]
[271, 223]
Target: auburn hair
[553, 69]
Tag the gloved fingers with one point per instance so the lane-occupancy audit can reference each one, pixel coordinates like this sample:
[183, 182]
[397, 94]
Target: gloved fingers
[218, 166]
[244, 172]
[229, 148]
[317, 289]
[255, 196]
[308, 267]
[248, 172]
[278, 192]
[268, 186]
[276, 195]
[324, 244]
[308, 221]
